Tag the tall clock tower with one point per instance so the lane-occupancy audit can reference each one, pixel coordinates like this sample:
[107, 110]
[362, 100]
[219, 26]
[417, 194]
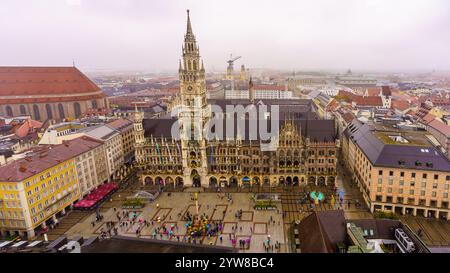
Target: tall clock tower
[195, 111]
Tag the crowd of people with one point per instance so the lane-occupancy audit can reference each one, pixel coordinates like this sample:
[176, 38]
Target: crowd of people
[198, 229]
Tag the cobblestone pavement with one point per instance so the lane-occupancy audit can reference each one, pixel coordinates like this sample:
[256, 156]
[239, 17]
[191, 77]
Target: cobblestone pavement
[352, 194]
[255, 224]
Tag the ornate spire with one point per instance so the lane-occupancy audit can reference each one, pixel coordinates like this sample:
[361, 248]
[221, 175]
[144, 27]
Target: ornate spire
[189, 26]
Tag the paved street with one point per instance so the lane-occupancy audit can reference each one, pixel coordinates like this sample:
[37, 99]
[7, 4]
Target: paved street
[254, 224]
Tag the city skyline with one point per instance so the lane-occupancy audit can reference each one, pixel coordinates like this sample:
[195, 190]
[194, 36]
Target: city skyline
[129, 35]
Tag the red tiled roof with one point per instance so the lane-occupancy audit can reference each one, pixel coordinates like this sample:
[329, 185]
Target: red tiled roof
[333, 105]
[373, 91]
[386, 91]
[42, 81]
[411, 112]
[368, 101]
[21, 169]
[428, 118]
[400, 105]
[348, 117]
[27, 127]
[120, 124]
[347, 95]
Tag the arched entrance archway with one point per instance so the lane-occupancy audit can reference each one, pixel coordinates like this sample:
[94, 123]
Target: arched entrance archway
[312, 180]
[281, 181]
[246, 181]
[196, 180]
[159, 181]
[295, 181]
[256, 181]
[288, 180]
[148, 181]
[213, 182]
[322, 181]
[179, 181]
[169, 182]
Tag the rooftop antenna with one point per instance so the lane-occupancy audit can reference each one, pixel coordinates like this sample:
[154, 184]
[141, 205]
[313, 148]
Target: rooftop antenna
[73, 62]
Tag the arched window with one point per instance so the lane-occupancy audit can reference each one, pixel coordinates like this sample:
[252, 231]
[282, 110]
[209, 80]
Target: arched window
[48, 108]
[195, 65]
[37, 113]
[189, 65]
[9, 111]
[94, 104]
[61, 111]
[77, 109]
[23, 110]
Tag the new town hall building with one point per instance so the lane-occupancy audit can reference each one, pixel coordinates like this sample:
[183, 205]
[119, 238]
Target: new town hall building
[305, 150]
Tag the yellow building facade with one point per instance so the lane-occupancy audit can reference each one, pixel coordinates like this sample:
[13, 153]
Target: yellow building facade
[30, 205]
[36, 190]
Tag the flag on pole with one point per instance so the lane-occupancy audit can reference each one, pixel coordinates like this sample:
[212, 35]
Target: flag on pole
[159, 153]
[168, 150]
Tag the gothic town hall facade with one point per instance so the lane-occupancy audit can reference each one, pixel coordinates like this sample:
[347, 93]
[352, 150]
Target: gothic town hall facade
[306, 150]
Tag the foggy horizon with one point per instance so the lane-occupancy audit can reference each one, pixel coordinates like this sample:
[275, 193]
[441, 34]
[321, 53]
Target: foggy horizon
[138, 35]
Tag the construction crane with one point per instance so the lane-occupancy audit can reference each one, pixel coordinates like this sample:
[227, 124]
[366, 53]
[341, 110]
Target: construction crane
[230, 69]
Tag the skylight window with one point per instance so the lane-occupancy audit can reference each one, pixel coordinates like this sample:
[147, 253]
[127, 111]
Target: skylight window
[399, 139]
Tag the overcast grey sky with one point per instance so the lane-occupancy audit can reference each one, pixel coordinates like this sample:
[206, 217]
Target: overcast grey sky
[286, 34]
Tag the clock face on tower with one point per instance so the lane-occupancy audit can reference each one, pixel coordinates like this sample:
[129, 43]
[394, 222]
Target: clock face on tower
[189, 88]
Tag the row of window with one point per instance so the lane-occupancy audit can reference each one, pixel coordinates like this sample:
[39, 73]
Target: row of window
[413, 175]
[412, 192]
[48, 109]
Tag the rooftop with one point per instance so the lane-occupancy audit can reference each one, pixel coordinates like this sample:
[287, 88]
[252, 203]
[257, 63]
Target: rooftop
[46, 158]
[19, 83]
[386, 146]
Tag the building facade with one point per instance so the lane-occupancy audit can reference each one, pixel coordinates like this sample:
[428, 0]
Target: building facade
[91, 165]
[305, 149]
[113, 148]
[397, 171]
[126, 129]
[36, 190]
[44, 93]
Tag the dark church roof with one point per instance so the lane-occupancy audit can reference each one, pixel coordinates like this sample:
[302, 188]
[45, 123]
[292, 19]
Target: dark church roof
[315, 130]
[299, 111]
[321, 232]
[376, 144]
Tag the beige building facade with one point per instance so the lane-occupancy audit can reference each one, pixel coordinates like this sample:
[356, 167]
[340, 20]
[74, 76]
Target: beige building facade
[399, 173]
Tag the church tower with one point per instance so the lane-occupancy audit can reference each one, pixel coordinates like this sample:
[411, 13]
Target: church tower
[195, 112]
[251, 90]
[193, 83]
